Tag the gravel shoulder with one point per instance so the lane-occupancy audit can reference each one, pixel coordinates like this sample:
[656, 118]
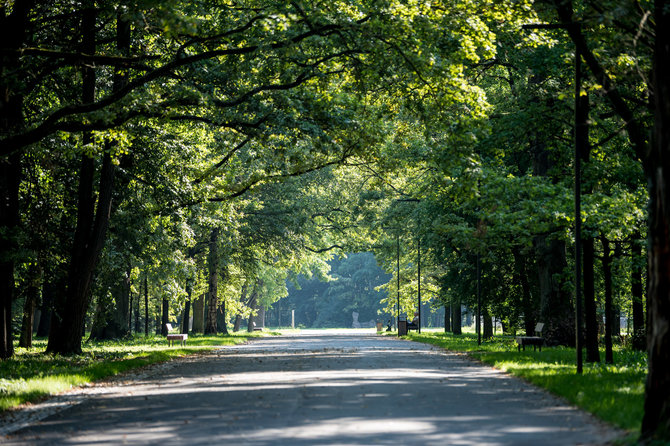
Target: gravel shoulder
[313, 387]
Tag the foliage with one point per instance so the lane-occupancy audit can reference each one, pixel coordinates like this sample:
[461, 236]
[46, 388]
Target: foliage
[350, 287]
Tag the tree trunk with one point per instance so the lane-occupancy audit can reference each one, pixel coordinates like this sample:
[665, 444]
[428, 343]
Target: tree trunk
[199, 314]
[252, 307]
[187, 308]
[165, 316]
[590, 308]
[70, 307]
[487, 322]
[529, 312]
[556, 308]
[238, 317]
[639, 332]
[159, 317]
[656, 420]
[13, 36]
[213, 292]
[146, 304]
[130, 314]
[48, 291]
[456, 317]
[238, 323]
[447, 318]
[137, 309]
[112, 318]
[32, 297]
[609, 309]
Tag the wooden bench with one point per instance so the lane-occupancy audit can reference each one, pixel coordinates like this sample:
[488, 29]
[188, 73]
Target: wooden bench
[535, 341]
[172, 337]
[412, 326]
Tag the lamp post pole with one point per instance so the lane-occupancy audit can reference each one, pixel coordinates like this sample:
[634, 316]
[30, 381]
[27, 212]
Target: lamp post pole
[398, 284]
[419, 283]
[479, 301]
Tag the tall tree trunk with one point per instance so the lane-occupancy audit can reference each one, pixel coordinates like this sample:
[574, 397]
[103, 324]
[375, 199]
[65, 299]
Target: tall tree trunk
[112, 319]
[238, 323]
[48, 290]
[588, 254]
[447, 318]
[213, 291]
[199, 314]
[238, 317]
[187, 308]
[456, 317]
[556, 310]
[609, 309]
[639, 332]
[13, 36]
[9, 219]
[146, 304]
[261, 317]
[165, 317]
[130, 313]
[521, 273]
[70, 307]
[252, 307]
[487, 333]
[137, 309]
[159, 317]
[32, 297]
[590, 308]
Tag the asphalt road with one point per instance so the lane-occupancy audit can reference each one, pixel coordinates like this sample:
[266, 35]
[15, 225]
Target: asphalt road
[320, 388]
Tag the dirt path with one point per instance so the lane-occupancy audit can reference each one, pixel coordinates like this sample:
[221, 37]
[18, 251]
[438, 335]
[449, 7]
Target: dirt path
[316, 388]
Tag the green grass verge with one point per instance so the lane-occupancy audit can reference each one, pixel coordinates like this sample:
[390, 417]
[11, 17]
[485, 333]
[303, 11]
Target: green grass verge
[30, 375]
[614, 393]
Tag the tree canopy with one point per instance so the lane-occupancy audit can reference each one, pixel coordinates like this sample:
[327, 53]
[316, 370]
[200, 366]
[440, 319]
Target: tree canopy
[164, 160]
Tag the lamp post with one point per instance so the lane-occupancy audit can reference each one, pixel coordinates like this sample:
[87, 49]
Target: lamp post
[578, 142]
[398, 284]
[479, 300]
[419, 282]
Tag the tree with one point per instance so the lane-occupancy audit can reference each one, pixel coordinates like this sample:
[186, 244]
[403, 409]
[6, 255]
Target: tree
[656, 421]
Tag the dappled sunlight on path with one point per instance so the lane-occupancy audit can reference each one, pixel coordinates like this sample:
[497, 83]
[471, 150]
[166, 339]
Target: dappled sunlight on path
[321, 388]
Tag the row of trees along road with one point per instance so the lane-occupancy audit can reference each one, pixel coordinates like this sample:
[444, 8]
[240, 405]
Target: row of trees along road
[185, 149]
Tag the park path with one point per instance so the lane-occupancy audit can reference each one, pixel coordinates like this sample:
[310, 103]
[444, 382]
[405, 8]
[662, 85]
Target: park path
[312, 388]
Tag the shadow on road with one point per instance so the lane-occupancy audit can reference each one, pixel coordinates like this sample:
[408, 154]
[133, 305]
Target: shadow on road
[322, 389]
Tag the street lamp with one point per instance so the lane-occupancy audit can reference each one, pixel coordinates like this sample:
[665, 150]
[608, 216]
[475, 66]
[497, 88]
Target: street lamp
[398, 284]
[580, 128]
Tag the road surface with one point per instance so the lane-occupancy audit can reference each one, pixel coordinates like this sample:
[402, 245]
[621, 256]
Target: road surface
[324, 388]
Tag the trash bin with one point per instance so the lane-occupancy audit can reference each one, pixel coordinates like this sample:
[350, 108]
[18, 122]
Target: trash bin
[380, 327]
[402, 328]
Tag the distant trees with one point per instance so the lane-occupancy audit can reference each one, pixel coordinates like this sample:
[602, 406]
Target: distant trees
[351, 287]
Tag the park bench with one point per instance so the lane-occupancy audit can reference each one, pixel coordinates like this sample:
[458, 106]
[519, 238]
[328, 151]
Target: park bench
[404, 327]
[171, 337]
[535, 341]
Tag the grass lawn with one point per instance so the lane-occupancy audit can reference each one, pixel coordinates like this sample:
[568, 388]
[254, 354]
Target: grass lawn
[614, 393]
[31, 374]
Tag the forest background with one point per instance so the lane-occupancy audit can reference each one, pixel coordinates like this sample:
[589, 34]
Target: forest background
[190, 157]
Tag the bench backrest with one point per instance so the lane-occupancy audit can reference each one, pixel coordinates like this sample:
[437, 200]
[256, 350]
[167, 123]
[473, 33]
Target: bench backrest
[539, 327]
